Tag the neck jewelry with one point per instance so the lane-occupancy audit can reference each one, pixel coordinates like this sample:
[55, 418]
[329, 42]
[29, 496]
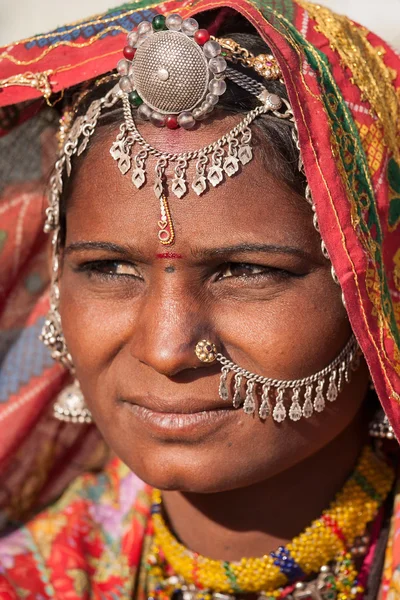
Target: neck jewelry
[315, 389]
[328, 546]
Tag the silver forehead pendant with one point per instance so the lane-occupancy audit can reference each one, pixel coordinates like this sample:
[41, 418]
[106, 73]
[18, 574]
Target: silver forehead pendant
[172, 72]
[173, 75]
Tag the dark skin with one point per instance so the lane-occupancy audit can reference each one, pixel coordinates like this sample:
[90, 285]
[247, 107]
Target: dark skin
[248, 274]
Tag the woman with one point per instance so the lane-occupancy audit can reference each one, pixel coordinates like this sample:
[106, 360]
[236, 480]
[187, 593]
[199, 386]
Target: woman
[224, 284]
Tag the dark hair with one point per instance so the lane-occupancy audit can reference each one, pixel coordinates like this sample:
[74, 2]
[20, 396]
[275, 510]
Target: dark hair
[273, 137]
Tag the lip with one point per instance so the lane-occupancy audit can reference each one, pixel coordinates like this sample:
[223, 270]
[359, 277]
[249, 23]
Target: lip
[187, 423]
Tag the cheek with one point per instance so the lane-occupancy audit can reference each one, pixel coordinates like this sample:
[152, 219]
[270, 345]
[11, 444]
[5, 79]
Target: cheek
[95, 326]
[293, 335]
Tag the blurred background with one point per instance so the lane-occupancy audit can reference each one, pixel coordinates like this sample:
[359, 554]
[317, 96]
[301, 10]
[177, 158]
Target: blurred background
[23, 18]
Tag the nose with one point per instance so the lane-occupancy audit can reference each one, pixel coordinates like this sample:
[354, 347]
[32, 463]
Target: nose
[167, 329]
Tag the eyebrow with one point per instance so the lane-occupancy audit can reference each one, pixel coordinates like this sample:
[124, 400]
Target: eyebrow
[250, 248]
[107, 246]
[202, 253]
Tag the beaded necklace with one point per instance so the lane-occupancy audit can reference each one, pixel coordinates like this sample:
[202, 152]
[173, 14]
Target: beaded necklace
[324, 548]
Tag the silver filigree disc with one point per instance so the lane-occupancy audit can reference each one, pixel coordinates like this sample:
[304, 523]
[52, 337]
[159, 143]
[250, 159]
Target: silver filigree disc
[179, 56]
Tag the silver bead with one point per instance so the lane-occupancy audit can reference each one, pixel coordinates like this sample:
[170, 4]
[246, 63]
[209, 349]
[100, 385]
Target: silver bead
[217, 64]
[143, 37]
[197, 113]
[190, 26]
[186, 120]
[205, 106]
[144, 112]
[125, 84]
[133, 38]
[174, 22]
[211, 49]
[212, 99]
[123, 66]
[217, 86]
[157, 119]
[144, 27]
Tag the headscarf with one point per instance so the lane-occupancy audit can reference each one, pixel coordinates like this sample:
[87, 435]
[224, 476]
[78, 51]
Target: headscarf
[343, 84]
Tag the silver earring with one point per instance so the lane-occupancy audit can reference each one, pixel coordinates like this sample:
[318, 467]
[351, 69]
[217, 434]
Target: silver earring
[70, 405]
[314, 391]
[380, 427]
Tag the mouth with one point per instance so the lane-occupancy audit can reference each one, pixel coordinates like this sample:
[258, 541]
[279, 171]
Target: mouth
[190, 420]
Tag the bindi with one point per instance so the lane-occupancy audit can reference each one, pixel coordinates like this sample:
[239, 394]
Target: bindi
[169, 255]
[170, 269]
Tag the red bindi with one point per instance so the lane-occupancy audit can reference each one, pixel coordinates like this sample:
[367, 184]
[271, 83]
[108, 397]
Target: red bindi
[169, 255]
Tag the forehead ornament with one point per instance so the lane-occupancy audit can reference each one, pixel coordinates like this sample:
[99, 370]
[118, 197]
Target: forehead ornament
[173, 76]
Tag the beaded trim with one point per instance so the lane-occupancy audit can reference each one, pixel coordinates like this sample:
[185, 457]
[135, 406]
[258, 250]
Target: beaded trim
[330, 538]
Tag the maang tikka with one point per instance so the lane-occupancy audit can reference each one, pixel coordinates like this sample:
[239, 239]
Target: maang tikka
[173, 74]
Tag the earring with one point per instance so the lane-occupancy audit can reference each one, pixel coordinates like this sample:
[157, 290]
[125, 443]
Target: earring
[380, 427]
[52, 336]
[70, 405]
[306, 396]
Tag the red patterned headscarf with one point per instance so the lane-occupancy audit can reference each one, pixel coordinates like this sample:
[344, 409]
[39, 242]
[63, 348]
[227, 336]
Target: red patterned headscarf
[344, 87]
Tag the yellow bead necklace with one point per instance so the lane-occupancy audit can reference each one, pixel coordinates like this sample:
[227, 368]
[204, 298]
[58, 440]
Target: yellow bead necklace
[173, 568]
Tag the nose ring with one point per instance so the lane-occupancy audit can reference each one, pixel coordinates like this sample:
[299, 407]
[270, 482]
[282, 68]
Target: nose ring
[206, 351]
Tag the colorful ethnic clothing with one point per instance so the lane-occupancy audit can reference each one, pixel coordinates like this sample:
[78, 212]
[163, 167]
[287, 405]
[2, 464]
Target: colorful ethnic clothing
[98, 541]
[343, 84]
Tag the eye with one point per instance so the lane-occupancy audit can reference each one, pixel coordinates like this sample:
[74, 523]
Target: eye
[110, 269]
[243, 270]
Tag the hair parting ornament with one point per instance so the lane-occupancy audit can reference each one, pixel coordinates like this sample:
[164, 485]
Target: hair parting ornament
[172, 75]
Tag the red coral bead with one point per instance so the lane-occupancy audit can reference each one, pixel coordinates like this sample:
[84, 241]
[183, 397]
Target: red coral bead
[201, 36]
[171, 122]
[129, 52]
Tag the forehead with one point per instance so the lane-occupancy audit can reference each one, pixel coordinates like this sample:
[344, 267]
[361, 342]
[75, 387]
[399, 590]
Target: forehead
[253, 205]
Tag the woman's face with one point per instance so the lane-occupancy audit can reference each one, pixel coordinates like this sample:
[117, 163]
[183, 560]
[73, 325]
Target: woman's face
[246, 271]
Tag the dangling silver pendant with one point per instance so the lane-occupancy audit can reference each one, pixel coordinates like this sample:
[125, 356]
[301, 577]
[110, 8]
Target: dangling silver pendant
[245, 154]
[199, 185]
[178, 187]
[279, 413]
[138, 177]
[332, 392]
[237, 398]
[223, 388]
[231, 165]
[295, 412]
[139, 173]
[265, 408]
[215, 175]
[249, 405]
[319, 402]
[120, 151]
[308, 408]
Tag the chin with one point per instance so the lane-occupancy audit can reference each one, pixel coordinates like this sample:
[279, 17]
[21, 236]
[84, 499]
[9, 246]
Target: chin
[190, 470]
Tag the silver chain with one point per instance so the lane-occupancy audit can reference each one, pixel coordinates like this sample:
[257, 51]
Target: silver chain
[351, 347]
